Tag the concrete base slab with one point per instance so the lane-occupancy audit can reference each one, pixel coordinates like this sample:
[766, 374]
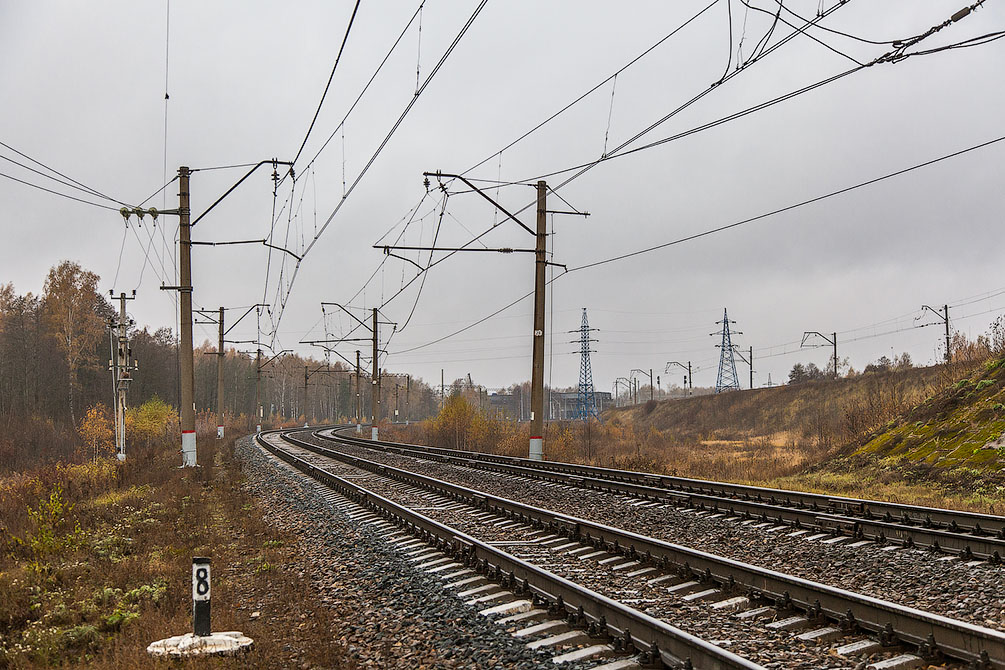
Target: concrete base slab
[226, 643]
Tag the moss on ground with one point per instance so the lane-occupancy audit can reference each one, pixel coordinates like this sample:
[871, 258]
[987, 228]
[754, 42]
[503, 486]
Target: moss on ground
[961, 427]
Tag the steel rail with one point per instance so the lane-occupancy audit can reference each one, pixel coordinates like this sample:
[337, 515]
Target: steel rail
[930, 633]
[938, 529]
[675, 647]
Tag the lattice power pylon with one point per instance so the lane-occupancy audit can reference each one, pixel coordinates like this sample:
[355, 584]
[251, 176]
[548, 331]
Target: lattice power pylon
[587, 401]
[727, 379]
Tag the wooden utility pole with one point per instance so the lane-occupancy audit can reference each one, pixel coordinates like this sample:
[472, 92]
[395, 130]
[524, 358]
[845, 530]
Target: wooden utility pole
[219, 382]
[307, 376]
[948, 351]
[359, 428]
[258, 391]
[375, 390]
[188, 451]
[536, 450]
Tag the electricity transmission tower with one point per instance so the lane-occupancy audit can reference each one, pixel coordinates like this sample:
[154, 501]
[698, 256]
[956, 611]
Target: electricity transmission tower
[727, 379]
[587, 401]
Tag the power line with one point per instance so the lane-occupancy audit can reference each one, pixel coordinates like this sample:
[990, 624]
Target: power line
[62, 195]
[321, 102]
[713, 231]
[75, 184]
[592, 90]
[787, 208]
[376, 72]
[411, 103]
[582, 169]
[594, 163]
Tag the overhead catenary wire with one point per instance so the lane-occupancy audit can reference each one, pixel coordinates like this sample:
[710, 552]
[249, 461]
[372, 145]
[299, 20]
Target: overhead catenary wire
[595, 88]
[380, 148]
[345, 39]
[600, 84]
[713, 231]
[586, 167]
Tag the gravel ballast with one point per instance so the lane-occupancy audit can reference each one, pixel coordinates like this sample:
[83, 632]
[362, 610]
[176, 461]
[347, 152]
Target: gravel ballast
[915, 578]
[390, 615]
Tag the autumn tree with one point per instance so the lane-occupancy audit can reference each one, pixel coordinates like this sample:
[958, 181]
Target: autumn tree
[70, 303]
[96, 431]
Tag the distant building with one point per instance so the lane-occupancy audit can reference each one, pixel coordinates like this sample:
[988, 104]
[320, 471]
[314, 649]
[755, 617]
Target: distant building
[562, 405]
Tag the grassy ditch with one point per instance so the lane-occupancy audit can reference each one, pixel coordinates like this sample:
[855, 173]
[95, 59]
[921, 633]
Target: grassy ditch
[96, 564]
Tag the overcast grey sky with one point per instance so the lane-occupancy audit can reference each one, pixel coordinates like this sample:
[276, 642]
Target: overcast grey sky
[83, 87]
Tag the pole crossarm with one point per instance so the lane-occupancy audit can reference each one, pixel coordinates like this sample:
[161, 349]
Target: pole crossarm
[230, 190]
[502, 250]
[477, 190]
[346, 310]
[810, 333]
[253, 307]
[323, 345]
[670, 364]
[934, 311]
[281, 353]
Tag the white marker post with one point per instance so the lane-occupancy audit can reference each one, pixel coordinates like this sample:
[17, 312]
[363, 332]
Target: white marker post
[201, 641]
[200, 596]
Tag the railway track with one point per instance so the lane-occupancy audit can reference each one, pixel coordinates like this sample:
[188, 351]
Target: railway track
[969, 535]
[792, 602]
[609, 626]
